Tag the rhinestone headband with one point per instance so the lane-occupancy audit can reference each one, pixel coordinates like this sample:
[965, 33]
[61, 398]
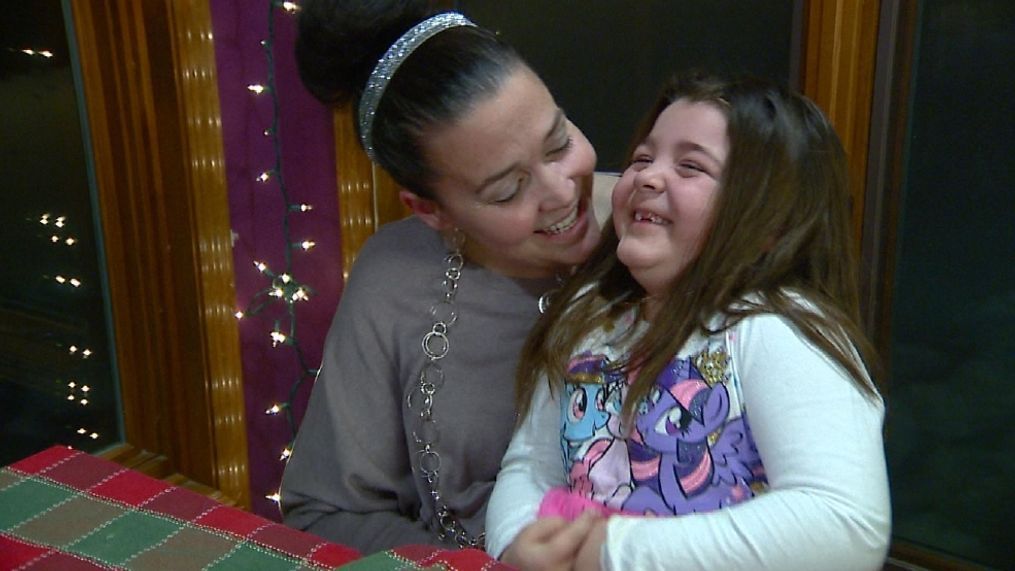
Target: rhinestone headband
[388, 64]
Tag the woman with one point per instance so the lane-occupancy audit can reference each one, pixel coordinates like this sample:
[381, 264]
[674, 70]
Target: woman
[414, 404]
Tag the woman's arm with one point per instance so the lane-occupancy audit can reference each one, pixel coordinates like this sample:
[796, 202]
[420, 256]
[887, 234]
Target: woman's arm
[345, 480]
[531, 466]
[820, 441]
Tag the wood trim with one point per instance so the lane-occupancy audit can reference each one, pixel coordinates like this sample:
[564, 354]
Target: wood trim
[158, 466]
[117, 133]
[908, 556]
[197, 81]
[839, 57]
[161, 192]
[355, 188]
[367, 195]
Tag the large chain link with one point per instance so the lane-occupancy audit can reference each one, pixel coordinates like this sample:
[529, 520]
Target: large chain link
[435, 346]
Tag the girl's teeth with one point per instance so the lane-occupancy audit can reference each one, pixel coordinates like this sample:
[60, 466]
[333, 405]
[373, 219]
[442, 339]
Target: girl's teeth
[647, 217]
[564, 224]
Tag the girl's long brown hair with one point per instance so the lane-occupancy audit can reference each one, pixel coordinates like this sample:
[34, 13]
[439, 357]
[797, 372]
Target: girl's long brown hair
[780, 229]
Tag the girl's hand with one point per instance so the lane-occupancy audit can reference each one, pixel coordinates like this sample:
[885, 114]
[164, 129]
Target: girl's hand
[549, 544]
[587, 558]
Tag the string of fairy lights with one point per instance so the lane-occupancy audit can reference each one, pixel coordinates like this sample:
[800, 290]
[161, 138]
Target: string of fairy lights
[30, 52]
[77, 391]
[283, 288]
[55, 229]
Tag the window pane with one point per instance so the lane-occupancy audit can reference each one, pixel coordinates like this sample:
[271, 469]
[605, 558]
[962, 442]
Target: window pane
[951, 431]
[56, 376]
[605, 60]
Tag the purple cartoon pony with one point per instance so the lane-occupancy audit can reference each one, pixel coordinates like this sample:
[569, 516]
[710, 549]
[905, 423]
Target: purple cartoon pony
[685, 455]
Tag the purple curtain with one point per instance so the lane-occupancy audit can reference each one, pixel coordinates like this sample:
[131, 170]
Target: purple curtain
[305, 141]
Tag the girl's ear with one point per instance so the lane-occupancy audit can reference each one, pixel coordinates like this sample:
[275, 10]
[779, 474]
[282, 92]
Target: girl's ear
[426, 210]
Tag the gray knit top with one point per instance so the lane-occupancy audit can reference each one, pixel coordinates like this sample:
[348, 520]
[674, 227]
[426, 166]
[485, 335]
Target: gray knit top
[350, 478]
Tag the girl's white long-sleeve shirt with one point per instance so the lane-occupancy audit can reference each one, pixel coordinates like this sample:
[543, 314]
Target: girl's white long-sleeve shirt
[819, 438]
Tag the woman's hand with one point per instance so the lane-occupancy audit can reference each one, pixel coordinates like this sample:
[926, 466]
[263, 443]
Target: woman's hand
[550, 544]
[587, 558]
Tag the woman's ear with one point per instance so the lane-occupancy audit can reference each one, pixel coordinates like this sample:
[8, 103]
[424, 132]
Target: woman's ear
[426, 210]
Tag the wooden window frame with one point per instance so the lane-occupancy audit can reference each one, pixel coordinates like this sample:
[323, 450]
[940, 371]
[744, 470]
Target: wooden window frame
[367, 195]
[838, 74]
[151, 97]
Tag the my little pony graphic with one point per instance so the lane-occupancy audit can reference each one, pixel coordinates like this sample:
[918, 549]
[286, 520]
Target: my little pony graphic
[584, 413]
[592, 450]
[686, 455]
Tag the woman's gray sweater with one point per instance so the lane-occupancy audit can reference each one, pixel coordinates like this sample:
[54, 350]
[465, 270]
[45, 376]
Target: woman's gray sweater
[350, 478]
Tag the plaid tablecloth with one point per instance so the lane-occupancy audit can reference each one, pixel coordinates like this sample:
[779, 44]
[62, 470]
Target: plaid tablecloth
[423, 557]
[67, 510]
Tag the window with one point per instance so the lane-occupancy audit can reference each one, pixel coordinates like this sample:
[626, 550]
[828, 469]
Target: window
[945, 311]
[57, 377]
[149, 93]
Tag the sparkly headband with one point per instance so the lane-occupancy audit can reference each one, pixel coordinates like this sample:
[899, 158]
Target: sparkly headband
[388, 64]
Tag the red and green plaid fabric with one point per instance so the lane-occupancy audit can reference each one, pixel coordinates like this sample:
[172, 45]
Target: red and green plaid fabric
[427, 558]
[67, 510]
[64, 509]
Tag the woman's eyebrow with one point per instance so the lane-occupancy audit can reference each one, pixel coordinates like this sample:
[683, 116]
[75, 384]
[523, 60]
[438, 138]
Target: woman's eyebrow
[559, 123]
[495, 177]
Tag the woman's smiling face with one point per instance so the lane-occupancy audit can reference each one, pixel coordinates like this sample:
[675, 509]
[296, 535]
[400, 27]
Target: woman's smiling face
[515, 176]
[662, 205]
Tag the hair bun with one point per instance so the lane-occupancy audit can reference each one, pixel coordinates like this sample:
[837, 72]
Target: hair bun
[339, 42]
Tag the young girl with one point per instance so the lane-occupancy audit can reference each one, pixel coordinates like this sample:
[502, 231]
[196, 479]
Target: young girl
[706, 385]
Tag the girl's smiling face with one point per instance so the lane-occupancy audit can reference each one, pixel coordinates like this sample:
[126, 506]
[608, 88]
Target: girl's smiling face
[662, 205]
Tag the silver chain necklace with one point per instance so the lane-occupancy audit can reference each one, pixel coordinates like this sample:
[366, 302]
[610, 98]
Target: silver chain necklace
[431, 377]
[435, 346]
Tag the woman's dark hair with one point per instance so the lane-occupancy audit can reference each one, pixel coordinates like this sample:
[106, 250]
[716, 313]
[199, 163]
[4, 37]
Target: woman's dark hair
[339, 43]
